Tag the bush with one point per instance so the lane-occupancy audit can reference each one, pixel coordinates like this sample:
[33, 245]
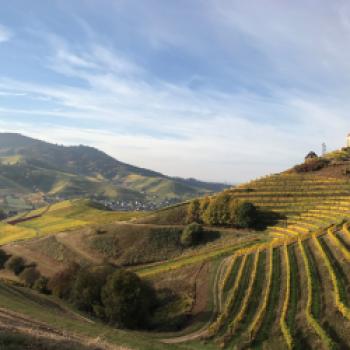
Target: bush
[245, 215]
[101, 231]
[191, 235]
[127, 300]
[15, 264]
[40, 285]
[29, 276]
[312, 165]
[3, 258]
[61, 283]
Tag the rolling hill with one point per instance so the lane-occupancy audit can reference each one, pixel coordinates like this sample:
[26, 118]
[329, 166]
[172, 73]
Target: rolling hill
[287, 287]
[34, 172]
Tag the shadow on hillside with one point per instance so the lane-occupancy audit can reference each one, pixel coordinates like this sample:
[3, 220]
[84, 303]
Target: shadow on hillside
[268, 218]
[335, 336]
[209, 236]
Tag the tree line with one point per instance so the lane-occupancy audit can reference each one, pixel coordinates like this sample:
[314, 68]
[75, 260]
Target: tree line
[114, 295]
[223, 210]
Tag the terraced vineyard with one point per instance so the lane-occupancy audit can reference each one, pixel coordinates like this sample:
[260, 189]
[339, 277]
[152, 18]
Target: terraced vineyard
[292, 292]
[305, 203]
[289, 295]
[286, 288]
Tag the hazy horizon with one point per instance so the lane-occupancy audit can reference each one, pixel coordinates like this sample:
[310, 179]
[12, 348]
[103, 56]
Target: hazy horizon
[216, 90]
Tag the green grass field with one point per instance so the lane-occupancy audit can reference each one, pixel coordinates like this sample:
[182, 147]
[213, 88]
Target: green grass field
[54, 313]
[63, 216]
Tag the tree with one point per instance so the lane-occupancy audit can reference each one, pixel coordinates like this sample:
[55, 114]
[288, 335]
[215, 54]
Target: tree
[29, 276]
[87, 287]
[217, 212]
[3, 215]
[245, 215]
[204, 204]
[191, 234]
[127, 300]
[61, 283]
[15, 264]
[3, 258]
[194, 212]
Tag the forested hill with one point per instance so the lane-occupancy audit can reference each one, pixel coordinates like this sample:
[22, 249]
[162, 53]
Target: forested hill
[30, 166]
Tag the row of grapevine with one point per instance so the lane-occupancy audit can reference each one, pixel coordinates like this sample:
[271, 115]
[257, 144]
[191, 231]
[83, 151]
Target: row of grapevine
[283, 323]
[309, 316]
[228, 274]
[344, 310]
[338, 244]
[219, 322]
[259, 316]
[233, 324]
[346, 229]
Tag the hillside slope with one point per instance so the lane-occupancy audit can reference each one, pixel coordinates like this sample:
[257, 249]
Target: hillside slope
[287, 287]
[33, 172]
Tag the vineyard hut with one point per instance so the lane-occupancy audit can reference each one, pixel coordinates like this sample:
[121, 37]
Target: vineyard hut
[310, 156]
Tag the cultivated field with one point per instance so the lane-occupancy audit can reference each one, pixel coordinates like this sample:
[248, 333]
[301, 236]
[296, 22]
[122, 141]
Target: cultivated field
[284, 288]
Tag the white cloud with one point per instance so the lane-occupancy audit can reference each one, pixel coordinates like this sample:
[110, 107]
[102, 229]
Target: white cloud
[232, 136]
[5, 34]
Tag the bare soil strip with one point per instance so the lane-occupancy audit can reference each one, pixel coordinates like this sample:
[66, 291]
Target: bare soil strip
[216, 308]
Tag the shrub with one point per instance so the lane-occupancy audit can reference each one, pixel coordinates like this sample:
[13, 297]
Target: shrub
[61, 283]
[15, 264]
[127, 300]
[245, 215]
[3, 258]
[29, 276]
[40, 285]
[191, 234]
[101, 231]
[312, 165]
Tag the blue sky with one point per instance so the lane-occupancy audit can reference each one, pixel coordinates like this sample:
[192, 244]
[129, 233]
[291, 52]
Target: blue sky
[213, 89]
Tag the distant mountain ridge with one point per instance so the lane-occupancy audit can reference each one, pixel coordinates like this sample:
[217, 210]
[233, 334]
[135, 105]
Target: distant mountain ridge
[30, 168]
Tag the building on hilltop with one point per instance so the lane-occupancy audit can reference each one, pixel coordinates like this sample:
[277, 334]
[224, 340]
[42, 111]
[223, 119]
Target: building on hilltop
[348, 141]
[311, 155]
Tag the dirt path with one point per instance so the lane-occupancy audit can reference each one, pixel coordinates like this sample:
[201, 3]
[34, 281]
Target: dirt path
[207, 228]
[28, 218]
[217, 307]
